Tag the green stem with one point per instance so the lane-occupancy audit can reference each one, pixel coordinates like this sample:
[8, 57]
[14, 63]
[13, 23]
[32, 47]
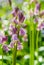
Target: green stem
[30, 50]
[37, 37]
[37, 41]
[2, 56]
[14, 54]
[32, 45]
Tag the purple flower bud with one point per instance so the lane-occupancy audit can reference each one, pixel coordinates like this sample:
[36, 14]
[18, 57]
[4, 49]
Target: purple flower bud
[22, 32]
[11, 44]
[15, 11]
[21, 17]
[4, 38]
[5, 48]
[14, 30]
[39, 28]
[14, 37]
[11, 27]
[19, 47]
[37, 6]
[42, 25]
[15, 21]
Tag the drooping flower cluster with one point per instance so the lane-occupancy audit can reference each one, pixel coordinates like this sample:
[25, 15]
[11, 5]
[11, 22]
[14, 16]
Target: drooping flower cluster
[37, 14]
[15, 29]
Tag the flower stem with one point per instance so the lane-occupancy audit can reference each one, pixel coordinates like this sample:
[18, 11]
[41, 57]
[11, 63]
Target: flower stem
[2, 56]
[37, 43]
[14, 54]
[32, 45]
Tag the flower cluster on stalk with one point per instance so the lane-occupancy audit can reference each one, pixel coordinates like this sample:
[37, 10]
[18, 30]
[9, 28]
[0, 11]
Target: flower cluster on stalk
[15, 29]
[37, 14]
